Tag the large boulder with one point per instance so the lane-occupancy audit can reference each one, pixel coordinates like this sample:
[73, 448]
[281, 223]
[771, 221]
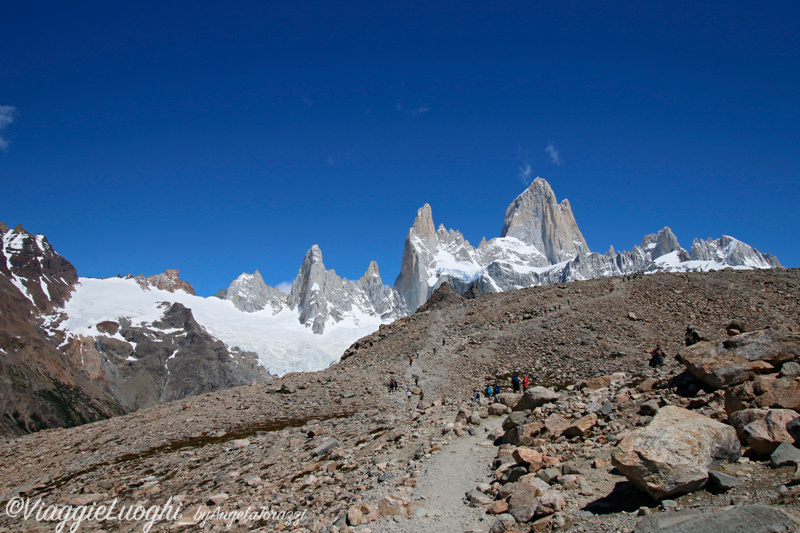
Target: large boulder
[536, 397]
[764, 435]
[739, 358]
[764, 392]
[744, 519]
[673, 454]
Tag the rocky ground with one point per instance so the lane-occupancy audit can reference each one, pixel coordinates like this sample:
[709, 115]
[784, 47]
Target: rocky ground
[334, 449]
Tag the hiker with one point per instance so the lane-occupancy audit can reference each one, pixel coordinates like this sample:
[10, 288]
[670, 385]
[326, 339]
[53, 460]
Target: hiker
[496, 390]
[515, 383]
[477, 396]
[525, 383]
[408, 393]
[416, 380]
[391, 385]
[657, 356]
[488, 391]
[410, 359]
[692, 337]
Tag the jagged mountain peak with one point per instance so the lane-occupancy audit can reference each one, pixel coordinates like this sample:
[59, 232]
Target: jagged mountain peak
[423, 223]
[535, 217]
[40, 274]
[661, 243]
[372, 271]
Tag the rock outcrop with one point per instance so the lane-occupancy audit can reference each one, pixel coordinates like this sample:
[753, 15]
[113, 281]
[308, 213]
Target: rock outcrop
[741, 357]
[673, 454]
[169, 281]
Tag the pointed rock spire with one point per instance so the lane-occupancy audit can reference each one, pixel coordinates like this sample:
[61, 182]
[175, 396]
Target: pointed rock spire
[536, 218]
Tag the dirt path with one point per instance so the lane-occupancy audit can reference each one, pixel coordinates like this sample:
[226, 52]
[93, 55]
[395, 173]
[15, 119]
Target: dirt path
[445, 477]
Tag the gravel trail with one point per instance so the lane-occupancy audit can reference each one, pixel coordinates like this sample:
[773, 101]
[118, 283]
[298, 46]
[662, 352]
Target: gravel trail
[438, 499]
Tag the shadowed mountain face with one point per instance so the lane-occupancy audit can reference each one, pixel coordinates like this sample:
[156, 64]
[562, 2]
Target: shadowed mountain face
[48, 379]
[39, 386]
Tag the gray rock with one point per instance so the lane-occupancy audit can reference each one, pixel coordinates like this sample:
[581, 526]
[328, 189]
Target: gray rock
[744, 519]
[649, 408]
[523, 513]
[790, 369]
[503, 523]
[548, 475]
[722, 481]
[477, 499]
[536, 397]
[513, 474]
[793, 428]
[784, 455]
[516, 418]
[326, 446]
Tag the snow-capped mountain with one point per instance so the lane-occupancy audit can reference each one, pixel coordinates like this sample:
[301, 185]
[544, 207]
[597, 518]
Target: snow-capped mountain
[249, 293]
[541, 244]
[319, 296]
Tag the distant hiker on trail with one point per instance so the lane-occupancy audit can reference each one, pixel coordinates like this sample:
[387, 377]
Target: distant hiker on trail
[408, 393]
[416, 380]
[410, 359]
[515, 383]
[525, 383]
[477, 396]
[692, 337]
[392, 385]
[496, 390]
[488, 391]
[657, 356]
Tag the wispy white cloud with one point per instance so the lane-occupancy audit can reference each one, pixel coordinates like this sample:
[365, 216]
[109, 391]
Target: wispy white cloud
[525, 169]
[414, 112]
[7, 115]
[525, 173]
[555, 156]
[284, 286]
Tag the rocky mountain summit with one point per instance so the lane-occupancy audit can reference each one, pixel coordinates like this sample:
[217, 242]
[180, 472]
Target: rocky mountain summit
[335, 450]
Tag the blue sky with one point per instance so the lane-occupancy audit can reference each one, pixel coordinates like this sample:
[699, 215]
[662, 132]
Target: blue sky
[219, 138]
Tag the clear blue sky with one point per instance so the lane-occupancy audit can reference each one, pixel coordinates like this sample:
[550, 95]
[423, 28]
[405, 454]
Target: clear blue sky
[224, 137]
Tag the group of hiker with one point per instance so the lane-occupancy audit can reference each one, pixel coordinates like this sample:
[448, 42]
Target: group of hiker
[517, 384]
[393, 386]
[657, 356]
